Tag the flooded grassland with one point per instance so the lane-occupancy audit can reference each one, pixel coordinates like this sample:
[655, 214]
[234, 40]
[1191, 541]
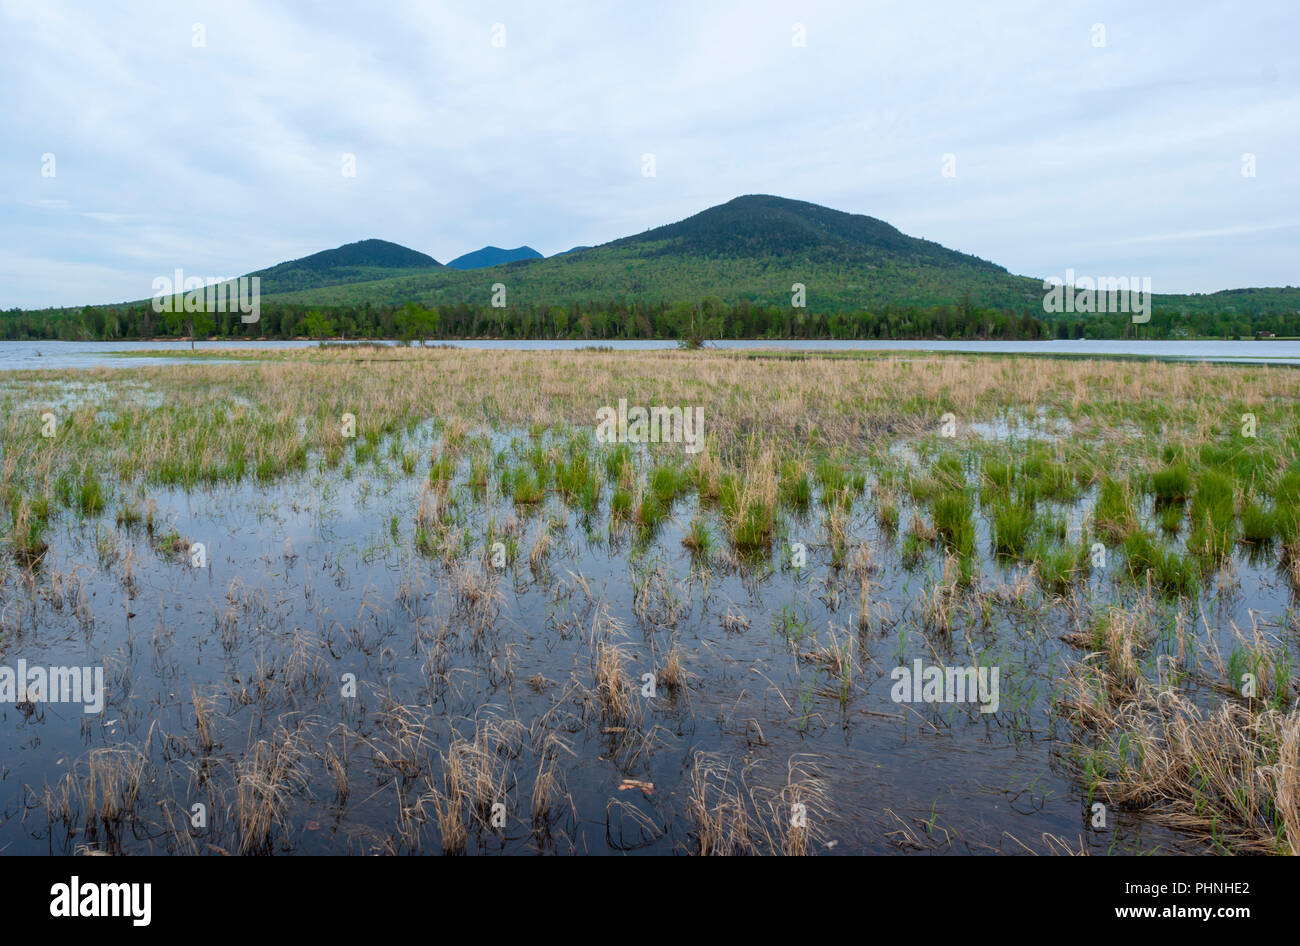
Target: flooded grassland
[394, 601]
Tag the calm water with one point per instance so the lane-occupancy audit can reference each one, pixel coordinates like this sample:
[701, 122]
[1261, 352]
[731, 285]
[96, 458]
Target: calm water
[316, 576]
[322, 574]
[16, 356]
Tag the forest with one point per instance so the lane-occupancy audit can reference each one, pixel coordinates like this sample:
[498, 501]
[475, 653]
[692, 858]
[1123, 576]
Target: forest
[709, 319]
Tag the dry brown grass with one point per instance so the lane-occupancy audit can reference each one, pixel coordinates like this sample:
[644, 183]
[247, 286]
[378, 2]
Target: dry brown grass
[734, 621]
[940, 604]
[266, 779]
[548, 787]
[475, 776]
[614, 688]
[673, 675]
[203, 709]
[1121, 636]
[102, 789]
[288, 405]
[1224, 770]
[923, 530]
[732, 817]
[724, 810]
[1228, 775]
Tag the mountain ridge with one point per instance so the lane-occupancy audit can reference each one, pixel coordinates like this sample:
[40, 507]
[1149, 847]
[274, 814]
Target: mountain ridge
[352, 262]
[755, 249]
[493, 256]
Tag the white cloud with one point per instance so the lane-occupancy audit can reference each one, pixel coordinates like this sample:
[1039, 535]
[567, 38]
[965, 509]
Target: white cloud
[227, 158]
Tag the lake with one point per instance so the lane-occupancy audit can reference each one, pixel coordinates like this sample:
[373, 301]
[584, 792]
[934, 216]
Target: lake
[27, 355]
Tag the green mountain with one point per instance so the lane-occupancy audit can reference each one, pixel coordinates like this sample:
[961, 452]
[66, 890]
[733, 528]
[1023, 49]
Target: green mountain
[493, 256]
[749, 252]
[753, 248]
[760, 226]
[363, 261]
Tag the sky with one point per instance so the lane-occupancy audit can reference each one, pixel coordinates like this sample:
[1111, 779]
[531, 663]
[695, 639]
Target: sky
[1144, 139]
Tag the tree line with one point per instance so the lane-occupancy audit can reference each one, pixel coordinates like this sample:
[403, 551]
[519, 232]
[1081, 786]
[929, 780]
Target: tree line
[708, 319]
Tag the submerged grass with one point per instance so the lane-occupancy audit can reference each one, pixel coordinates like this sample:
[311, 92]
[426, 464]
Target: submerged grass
[834, 455]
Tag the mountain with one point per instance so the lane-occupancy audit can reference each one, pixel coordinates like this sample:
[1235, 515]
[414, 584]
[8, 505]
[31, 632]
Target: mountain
[753, 248]
[760, 226]
[493, 256]
[363, 261]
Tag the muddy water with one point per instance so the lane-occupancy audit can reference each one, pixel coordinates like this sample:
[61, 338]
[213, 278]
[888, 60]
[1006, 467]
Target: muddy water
[316, 578]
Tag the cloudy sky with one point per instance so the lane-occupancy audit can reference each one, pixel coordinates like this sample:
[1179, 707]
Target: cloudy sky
[1104, 137]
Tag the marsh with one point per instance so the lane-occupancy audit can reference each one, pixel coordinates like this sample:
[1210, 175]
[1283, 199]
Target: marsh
[353, 669]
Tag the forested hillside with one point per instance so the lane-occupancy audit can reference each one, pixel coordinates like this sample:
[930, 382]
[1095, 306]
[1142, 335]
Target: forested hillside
[757, 266]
